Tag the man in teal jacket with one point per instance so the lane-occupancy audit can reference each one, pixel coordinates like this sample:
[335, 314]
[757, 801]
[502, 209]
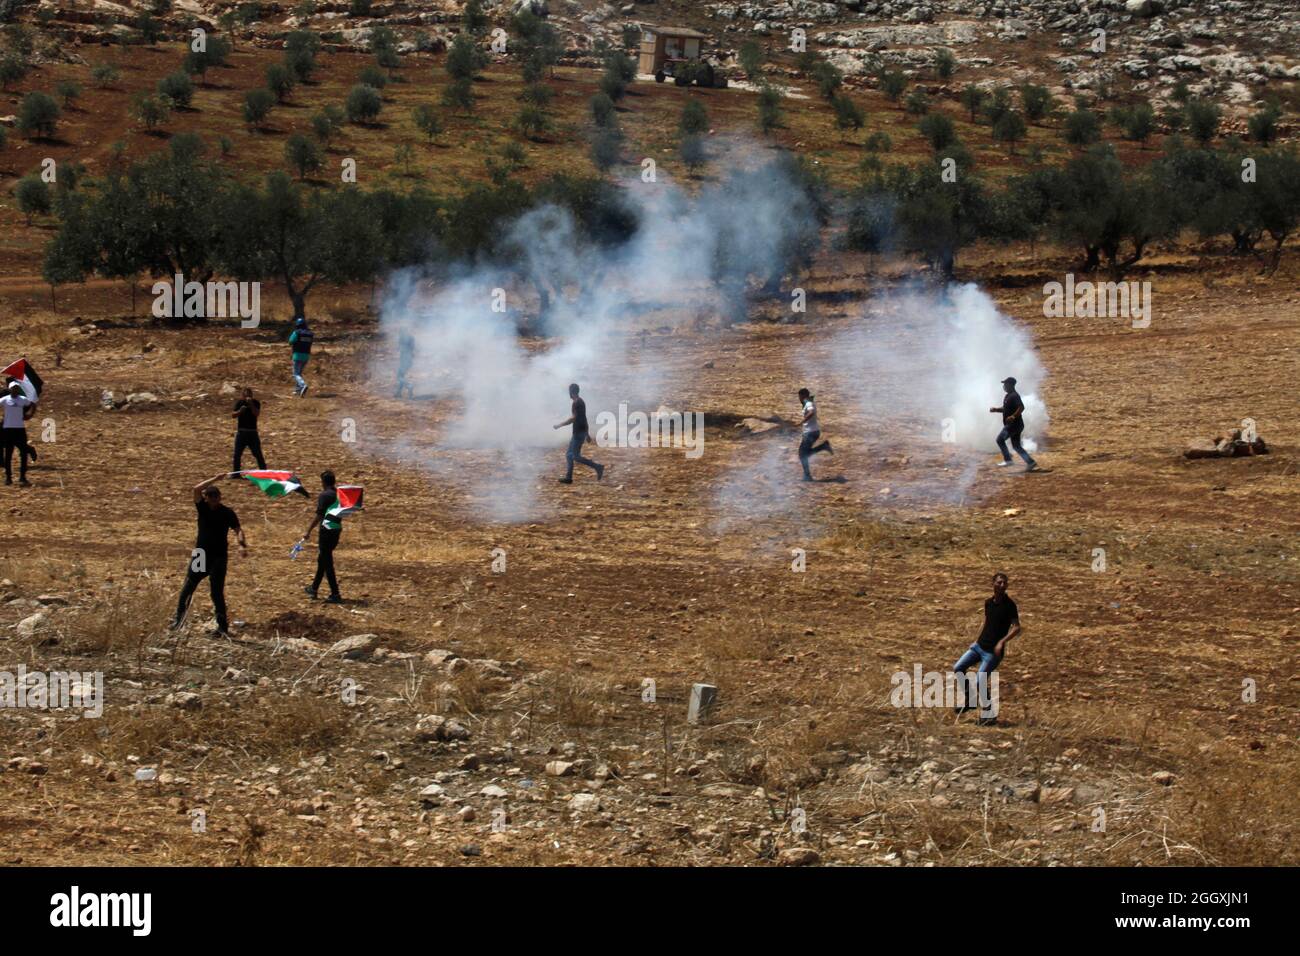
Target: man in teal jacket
[300, 340]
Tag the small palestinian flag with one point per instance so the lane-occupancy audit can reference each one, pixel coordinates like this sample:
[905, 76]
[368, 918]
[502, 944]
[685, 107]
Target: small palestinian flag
[23, 373]
[276, 484]
[349, 501]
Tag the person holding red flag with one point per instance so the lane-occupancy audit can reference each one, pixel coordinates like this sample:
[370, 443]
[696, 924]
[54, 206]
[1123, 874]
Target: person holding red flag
[331, 505]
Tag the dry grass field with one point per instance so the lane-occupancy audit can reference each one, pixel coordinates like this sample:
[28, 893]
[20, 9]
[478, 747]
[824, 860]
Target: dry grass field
[1124, 736]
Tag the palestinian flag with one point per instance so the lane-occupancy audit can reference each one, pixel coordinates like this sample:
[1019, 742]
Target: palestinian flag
[23, 373]
[276, 484]
[349, 501]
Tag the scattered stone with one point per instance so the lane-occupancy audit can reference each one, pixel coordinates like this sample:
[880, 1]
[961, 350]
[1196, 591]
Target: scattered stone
[437, 727]
[799, 856]
[355, 647]
[703, 698]
[28, 626]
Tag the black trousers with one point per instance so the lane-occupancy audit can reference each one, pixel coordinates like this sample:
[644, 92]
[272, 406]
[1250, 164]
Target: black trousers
[329, 540]
[11, 438]
[248, 438]
[216, 575]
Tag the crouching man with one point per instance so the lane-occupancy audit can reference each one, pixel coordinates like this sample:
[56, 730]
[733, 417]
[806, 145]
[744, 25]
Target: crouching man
[1001, 624]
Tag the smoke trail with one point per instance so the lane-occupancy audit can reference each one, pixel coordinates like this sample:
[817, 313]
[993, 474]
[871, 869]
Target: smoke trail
[687, 250]
[909, 382]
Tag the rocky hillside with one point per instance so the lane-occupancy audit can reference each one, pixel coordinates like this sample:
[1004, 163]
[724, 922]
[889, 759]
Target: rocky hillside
[1233, 51]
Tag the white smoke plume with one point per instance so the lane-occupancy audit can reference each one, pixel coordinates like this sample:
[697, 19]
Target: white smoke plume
[912, 377]
[513, 390]
[935, 357]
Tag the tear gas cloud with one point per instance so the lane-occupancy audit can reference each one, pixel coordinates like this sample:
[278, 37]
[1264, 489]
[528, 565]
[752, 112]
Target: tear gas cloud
[914, 376]
[913, 359]
[512, 390]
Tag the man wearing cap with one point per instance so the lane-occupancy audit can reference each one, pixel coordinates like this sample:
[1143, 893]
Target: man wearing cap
[300, 340]
[1012, 410]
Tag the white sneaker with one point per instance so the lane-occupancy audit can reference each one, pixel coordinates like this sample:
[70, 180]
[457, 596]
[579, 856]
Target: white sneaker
[1003, 464]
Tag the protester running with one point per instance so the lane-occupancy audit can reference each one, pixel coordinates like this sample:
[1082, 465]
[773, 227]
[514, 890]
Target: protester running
[581, 435]
[327, 541]
[1001, 624]
[247, 410]
[1012, 410]
[210, 555]
[17, 409]
[812, 430]
[300, 340]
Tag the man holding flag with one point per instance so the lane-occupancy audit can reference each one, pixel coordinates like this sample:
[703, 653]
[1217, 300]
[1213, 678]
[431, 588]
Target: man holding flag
[209, 558]
[16, 414]
[17, 409]
[331, 505]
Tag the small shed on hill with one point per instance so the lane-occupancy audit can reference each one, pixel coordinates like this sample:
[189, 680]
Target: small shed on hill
[668, 45]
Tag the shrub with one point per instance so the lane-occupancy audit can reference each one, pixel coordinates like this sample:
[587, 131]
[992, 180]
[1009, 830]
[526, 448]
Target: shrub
[151, 111]
[694, 118]
[373, 77]
[363, 104]
[177, 88]
[104, 75]
[1082, 127]
[302, 154]
[602, 109]
[848, 115]
[426, 120]
[257, 106]
[67, 91]
[769, 108]
[892, 84]
[945, 64]
[38, 115]
[280, 81]
[33, 195]
[938, 130]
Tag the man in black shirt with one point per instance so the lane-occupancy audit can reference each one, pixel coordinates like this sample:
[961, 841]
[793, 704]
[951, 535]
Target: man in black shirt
[1012, 411]
[331, 528]
[1001, 624]
[209, 558]
[581, 435]
[247, 410]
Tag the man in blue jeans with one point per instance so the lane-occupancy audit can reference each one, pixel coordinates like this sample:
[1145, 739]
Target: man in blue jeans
[810, 430]
[578, 419]
[300, 340]
[1001, 624]
[1012, 410]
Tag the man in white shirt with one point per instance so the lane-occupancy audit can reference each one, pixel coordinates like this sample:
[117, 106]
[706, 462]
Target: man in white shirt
[812, 430]
[17, 409]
